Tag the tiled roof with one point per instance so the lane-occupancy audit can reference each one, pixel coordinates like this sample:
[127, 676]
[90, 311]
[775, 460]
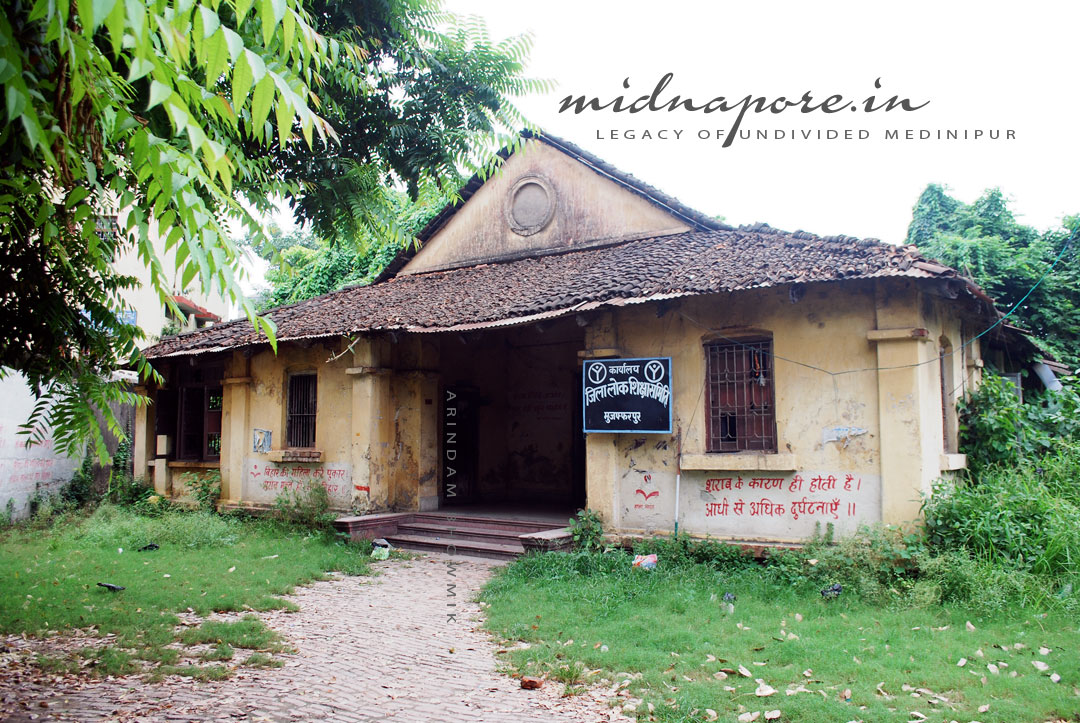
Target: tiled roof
[685, 264]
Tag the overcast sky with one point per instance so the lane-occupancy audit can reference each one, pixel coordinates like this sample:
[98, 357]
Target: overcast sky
[982, 66]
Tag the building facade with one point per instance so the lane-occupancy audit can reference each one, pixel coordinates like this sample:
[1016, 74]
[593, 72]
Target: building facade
[808, 381]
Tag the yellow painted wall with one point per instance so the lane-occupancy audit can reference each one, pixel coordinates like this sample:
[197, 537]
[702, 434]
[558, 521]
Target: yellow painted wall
[863, 478]
[380, 403]
[588, 208]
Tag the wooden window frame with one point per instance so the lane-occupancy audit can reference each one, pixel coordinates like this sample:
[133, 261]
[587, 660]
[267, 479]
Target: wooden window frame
[740, 395]
[301, 416]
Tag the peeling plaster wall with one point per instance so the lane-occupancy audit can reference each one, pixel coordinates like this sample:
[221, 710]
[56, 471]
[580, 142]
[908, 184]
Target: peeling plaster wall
[815, 481]
[26, 471]
[588, 207]
[251, 476]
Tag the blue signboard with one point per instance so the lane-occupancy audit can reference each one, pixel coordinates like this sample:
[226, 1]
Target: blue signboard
[627, 396]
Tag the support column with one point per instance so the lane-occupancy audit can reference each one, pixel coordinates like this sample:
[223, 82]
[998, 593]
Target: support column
[369, 448]
[908, 404]
[143, 443]
[601, 454]
[236, 437]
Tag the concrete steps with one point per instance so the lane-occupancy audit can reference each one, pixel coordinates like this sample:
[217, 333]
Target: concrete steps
[491, 537]
[474, 548]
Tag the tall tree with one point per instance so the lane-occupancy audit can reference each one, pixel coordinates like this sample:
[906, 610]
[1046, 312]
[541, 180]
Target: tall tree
[985, 242]
[173, 111]
[303, 266]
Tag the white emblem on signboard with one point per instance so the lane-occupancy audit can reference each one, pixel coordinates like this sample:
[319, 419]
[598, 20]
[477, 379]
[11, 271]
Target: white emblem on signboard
[597, 373]
[654, 371]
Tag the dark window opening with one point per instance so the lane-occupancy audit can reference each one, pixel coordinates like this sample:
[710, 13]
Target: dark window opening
[740, 402]
[300, 420]
[199, 425]
[194, 408]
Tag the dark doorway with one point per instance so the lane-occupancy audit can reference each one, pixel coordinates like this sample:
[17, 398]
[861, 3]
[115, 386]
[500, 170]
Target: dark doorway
[511, 419]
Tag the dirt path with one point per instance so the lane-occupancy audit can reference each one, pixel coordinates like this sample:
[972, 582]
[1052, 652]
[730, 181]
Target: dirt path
[402, 646]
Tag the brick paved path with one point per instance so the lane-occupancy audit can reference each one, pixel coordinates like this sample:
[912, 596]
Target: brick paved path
[368, 649]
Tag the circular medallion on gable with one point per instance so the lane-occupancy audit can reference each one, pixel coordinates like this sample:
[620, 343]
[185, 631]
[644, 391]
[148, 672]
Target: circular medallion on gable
[530, 205]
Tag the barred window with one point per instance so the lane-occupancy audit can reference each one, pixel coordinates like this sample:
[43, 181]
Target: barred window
[739, 399]
[300, 418]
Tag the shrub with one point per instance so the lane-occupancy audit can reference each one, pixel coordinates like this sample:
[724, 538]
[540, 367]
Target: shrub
[307, 506]
[1009, 516]
[586, 530]
[205, 488]
[996, 429]
[80, 490]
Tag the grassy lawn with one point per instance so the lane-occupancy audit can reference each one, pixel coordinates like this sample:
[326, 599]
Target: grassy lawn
[204, 563]
[667, 638]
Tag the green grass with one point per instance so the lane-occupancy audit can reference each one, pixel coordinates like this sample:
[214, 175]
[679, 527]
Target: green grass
[249, 632]
[205, 563]
[667, 634]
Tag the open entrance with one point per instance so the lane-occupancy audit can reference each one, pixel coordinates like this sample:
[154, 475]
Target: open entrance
[511, 429]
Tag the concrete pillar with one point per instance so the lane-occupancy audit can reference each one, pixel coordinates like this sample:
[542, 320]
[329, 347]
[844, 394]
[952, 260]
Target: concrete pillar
[370, 403]
[237, 437]
[143, 443]
[601, 451]
[909, 403]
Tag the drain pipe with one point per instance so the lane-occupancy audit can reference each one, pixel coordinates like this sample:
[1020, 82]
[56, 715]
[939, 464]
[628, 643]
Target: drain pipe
[678, 475]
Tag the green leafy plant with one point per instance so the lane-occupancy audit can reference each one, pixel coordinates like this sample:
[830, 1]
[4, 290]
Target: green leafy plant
[123, 117]
[305, 506]
[205, 488]
[1014, 515]
[80, 490]
[587, 531]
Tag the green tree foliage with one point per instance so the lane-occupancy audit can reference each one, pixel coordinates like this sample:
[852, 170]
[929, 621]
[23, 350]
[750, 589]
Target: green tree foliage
[304, 266]
[984, 241]
[175, 111]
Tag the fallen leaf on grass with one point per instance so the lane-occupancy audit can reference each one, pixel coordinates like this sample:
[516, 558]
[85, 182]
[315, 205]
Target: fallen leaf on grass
[710, 714]
[984, 708]
[764, 690]
[1040, 666]
[772, 714]
[961, 663]
[1055, 678]
[992, 668]
[969, 626]
[232, 569]
[808, 673]
[719, 675]
[747, 717]
[744, 672]
[798, 618]
[1044, 650]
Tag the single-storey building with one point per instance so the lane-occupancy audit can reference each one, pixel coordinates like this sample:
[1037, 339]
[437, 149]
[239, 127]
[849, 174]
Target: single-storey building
[758, 384]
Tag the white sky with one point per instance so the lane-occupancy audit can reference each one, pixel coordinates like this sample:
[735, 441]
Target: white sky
[982, 65]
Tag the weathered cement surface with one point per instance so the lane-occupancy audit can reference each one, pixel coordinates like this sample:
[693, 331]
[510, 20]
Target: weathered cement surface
[368, 649]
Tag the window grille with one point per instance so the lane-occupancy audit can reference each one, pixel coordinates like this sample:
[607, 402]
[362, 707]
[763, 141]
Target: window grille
[740, 407]
[300, 422]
